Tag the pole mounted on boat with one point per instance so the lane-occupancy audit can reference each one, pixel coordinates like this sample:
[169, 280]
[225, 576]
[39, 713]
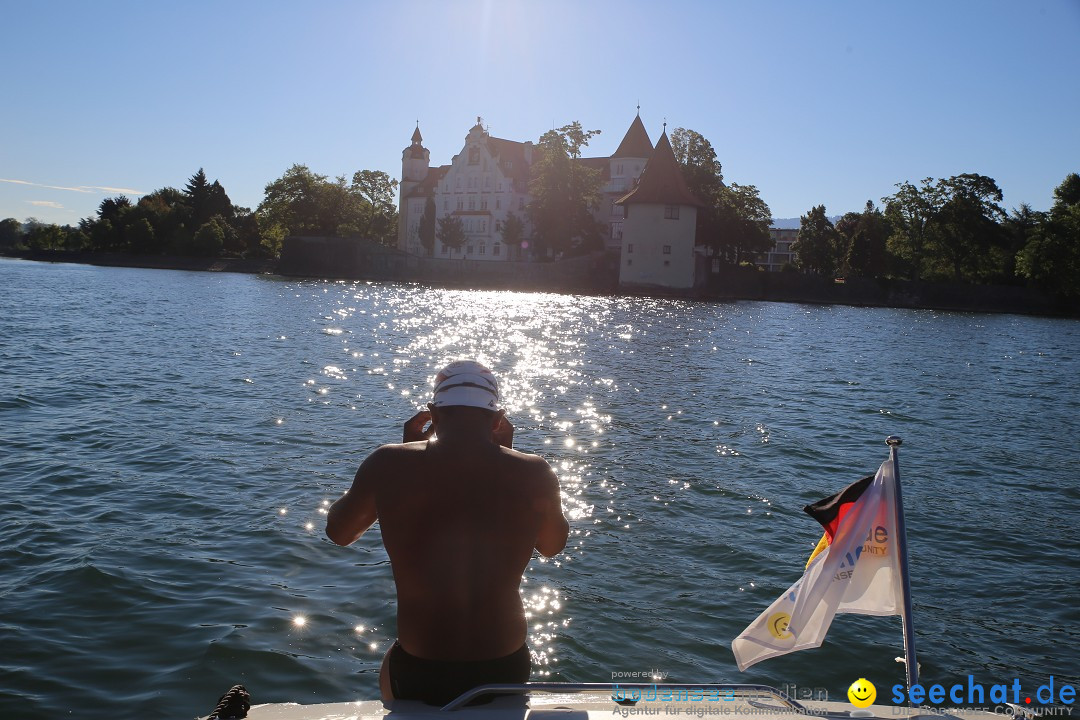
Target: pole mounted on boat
[894, 442]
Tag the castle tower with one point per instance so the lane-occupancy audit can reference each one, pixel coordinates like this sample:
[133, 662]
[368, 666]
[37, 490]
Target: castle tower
[415, 161]
[660, 226]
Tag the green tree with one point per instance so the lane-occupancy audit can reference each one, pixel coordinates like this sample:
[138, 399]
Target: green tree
[451, 232]
[815, 249]
[427, 226]
[861, 250]
[304, 203]
[140, 235]
[705, 180]
[968, 226]
[513, 234]
[911, 211]
[564, 193]
[10, 232]
[1051, 258]
[742, 221]
[377, 216]
[209, 239]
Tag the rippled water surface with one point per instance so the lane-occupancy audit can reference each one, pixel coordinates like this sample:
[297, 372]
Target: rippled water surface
[170, 442]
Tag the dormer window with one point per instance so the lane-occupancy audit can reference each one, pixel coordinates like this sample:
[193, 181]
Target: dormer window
[671, 212]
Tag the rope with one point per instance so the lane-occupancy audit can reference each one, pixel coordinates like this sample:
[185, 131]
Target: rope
[233, 704]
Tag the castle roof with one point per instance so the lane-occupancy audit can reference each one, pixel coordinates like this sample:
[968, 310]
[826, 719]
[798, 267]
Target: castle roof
[426, 187]
[510, 156]
[636, 142]
[417, 138]
[662, 181]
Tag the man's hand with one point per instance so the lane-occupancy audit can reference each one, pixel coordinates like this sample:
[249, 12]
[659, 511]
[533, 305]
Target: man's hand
[504, 433]
[414, 427]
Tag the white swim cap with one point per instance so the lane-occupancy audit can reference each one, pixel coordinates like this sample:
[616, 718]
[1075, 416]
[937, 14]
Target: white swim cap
[466, 382]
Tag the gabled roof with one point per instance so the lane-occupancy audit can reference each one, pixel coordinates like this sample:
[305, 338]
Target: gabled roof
[636, 142]
[662, 181]
[510, 157]
[426, 187]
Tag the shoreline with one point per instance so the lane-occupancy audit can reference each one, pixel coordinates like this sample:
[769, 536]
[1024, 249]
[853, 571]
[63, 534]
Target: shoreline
[594, 277]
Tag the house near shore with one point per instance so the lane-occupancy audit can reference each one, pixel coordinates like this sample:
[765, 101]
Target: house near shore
[489, 179]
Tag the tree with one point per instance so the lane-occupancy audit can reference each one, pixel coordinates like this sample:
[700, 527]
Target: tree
[911, 211]
[304, 203]
[815, 248]
[862, 236]
[1051, 258]
[451, 232]
[564, 192]
[10, 232]
[742, 221]
[513, 233]
[427, 226]
[967, 224]
[377, 216]
[705, 180]
[209, 239]
[197, 191]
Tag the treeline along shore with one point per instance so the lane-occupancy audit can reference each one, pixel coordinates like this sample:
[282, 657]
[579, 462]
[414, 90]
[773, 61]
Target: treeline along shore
[937, 244]
[333, 258]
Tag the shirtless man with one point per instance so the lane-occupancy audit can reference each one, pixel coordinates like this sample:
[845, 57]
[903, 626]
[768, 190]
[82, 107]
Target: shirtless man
[460, 514]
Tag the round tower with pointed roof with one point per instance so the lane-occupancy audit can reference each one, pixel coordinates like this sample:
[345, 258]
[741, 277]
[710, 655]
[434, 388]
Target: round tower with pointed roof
[659, 232]
[415, 161]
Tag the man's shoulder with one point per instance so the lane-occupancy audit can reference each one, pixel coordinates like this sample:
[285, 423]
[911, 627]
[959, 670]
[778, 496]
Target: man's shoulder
[528, 462]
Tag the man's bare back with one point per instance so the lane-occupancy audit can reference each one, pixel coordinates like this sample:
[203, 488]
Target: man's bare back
[460, 517]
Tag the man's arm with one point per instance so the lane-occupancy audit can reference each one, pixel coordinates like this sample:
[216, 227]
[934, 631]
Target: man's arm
[554, 530]
[354, 512]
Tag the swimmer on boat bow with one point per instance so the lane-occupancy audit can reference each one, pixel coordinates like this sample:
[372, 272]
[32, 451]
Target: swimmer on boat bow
[460, 513]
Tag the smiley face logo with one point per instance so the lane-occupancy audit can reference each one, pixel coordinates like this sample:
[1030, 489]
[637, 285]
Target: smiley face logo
[778, 625]
[862, 693]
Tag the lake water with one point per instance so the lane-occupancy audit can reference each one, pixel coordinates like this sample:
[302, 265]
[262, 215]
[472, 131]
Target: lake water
[170, 441]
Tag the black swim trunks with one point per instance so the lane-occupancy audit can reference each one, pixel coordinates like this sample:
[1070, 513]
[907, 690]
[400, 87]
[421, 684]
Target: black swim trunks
[437, 682]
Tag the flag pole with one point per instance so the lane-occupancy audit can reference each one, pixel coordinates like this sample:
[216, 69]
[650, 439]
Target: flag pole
[894, 442]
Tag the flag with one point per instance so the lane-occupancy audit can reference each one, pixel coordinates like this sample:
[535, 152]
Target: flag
[855, 569]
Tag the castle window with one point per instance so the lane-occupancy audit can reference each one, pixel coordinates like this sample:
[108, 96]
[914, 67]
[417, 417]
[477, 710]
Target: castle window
[483, 249]
[487, 181]
[474, 156]
[483, 203]
[469, 251]
[457, 182]
[472, 203]
[496, 249]
[508, 164]
[667, 249]
[618, 169]
[616, 231]
[498, 203]
[630, 249]
[460, 204]
[671, 212]
[617, 211]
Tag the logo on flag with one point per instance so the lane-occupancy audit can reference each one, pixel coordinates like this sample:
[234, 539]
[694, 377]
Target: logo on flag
[854, 569]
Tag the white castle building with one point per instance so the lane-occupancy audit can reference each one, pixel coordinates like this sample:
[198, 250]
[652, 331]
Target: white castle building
[489, 179]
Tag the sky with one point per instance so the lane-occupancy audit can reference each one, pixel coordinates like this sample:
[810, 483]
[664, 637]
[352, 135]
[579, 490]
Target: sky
[814, 103]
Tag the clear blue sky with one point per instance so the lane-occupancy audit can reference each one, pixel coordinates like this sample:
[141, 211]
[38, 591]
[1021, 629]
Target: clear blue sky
[814, 102]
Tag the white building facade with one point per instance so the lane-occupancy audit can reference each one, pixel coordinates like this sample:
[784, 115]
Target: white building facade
[489, 179]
